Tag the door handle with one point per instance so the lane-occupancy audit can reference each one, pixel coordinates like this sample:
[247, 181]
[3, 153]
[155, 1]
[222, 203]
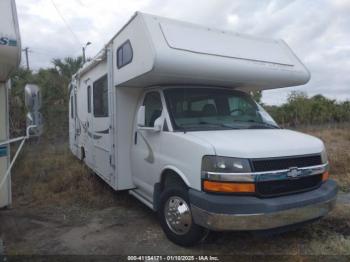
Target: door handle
[135, 138]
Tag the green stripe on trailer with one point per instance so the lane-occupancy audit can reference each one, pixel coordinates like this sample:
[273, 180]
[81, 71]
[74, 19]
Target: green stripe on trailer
[3, 151]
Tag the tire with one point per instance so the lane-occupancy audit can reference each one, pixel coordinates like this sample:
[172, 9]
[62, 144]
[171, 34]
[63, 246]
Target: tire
[186, 233]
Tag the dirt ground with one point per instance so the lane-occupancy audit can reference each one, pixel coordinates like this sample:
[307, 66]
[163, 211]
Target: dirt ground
[59, 209]
[135, 230]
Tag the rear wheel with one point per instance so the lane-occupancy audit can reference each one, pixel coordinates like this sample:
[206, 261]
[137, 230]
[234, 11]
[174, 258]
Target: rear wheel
[176, 217]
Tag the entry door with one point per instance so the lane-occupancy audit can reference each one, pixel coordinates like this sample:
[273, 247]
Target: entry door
[146, 147]
[101, 128]
[89, 142]
[73, 122]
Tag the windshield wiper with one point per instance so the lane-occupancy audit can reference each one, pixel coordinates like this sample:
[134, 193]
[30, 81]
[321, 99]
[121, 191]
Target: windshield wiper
[219, 124]
[202, 123]
[263, 124]
[183, 129]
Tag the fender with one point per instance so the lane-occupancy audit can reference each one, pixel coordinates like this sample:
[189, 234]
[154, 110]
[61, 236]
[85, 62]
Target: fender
[157, 186]
[177, 171]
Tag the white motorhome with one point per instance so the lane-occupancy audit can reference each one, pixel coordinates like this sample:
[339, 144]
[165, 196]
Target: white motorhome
[10, 54]
[164, 111]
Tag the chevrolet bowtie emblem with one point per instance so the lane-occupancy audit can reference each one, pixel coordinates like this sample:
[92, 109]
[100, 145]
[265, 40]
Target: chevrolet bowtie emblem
[293, 172]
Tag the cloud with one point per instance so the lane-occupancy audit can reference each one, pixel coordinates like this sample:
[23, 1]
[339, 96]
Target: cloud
[233, 19]
[317, 31]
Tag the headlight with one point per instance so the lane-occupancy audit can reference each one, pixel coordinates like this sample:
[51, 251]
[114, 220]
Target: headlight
[324, 157]
[221, 164]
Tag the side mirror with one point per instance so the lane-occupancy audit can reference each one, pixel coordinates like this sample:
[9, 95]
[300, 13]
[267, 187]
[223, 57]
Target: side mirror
[141, 121]
[141, 116]
[33, 105]
[32, 97]
[158, 124]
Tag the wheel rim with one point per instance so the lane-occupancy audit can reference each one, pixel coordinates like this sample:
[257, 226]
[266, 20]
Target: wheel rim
[178, 215]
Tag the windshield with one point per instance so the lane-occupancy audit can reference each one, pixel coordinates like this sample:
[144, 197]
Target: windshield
[195, 109]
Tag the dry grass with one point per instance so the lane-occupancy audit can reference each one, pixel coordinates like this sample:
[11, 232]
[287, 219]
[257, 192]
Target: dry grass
[337, 141]
[49, 175]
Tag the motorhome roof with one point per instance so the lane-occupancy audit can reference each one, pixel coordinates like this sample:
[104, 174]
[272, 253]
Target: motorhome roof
[184, 53]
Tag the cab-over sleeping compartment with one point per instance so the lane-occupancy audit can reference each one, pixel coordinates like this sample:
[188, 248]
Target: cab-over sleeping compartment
[161, 51]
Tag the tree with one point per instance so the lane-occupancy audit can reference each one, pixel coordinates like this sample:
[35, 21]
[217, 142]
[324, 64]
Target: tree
[68, 66]
[257, 95]
[54, 83]
[300, 109]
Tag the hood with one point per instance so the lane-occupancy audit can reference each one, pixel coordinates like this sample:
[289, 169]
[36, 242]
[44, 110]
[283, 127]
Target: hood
[260, 143]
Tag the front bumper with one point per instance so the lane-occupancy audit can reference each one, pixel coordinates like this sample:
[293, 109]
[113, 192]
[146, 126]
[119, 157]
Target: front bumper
[228, 212]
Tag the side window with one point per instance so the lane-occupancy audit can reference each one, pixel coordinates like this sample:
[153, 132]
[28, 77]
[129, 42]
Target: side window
[100, 94]
[71, 107]
[153, 108]
[124, 54]
[89, 99]
[75, 105]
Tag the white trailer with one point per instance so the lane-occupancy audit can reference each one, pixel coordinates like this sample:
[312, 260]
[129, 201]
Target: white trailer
[164, 111]
[10, 54]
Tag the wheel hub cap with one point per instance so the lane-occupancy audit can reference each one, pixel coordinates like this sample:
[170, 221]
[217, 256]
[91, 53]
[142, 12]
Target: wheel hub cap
[178, 215]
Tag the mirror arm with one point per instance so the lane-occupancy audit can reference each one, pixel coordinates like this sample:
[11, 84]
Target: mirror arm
[145, 128]
[28, 130]
[148, 128]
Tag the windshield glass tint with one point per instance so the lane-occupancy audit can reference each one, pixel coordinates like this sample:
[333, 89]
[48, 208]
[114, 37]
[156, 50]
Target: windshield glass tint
[209, 108]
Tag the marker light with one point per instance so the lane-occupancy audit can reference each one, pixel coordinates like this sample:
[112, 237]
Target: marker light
[228, 187]
[325, 176]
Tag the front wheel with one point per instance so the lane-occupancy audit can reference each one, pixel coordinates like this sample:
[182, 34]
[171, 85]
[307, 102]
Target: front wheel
[176, 218]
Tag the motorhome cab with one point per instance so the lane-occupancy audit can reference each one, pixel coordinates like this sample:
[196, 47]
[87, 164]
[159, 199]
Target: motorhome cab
[164, 111]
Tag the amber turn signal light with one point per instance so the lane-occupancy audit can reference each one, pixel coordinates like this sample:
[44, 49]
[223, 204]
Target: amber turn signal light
[325, 176]
[228, 187]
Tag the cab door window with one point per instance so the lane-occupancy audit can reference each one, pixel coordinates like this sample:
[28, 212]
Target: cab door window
[153, 108]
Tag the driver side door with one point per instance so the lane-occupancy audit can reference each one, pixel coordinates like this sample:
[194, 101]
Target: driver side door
[146, 146]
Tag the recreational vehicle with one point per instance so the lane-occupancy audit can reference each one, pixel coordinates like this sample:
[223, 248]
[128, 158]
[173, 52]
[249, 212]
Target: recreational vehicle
[10, 54]
[164, 111]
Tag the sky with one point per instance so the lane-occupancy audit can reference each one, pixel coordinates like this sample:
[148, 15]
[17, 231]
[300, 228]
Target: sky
[318, 31]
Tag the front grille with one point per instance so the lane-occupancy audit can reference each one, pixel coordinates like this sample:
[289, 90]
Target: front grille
[283, 187]
[271, 164]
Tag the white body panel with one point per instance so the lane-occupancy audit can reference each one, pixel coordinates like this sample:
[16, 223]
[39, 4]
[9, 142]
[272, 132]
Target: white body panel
[10, 54]
[88, 132]
[168, 52]
[260, 143]
[106, 152]
[126, 106]
[10, 44]
[5, 191]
